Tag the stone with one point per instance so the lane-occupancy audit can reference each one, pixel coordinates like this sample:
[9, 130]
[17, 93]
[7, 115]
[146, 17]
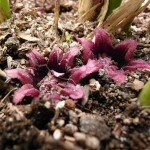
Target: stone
[93, 143]
[137, 85]
[94, 125]
[70, 129]
[73, 117]
[57, 135]
[80, 137]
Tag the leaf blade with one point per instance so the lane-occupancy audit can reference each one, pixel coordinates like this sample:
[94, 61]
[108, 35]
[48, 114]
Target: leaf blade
[144, 96]
[4, 4]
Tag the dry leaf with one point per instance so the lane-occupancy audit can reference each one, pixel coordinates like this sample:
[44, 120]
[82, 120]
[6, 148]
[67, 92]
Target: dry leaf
[103, 12]
[28, 37]
[124, 14]
[90, 14]
[89, 9]
[148, 29]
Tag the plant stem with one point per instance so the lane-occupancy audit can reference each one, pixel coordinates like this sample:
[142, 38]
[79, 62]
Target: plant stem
[56, 16]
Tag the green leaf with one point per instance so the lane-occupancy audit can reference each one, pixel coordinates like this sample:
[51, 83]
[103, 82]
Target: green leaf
[2, 16]
[113, 4]
[4, 5]
[127, 27]
[144, 96]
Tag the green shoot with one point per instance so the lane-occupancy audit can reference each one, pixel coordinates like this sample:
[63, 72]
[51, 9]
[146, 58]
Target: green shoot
[67, 36]
[144, 96]
[113, 4]
[4, 10]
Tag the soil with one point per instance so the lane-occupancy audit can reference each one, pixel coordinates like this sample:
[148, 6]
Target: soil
[111, 119]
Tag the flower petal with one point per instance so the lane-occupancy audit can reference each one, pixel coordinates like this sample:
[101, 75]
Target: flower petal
[74, 92]
[77, 74]
[88, 47]
[35, 58]
[112, 68]
[56, 97]
[38, 63]
[117, 75]
[68, 58]
[124, 51]
[103, 42]
[55, 58]
[136, 64]
[22, 75]
[48, 83]
[25, 90]
[57, 74]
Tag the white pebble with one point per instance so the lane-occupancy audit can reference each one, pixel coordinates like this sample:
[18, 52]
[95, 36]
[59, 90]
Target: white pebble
[47, 105]
[60, 105]
[57, 135]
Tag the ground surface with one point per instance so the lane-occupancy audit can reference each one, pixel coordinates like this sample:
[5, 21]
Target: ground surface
[111, 119]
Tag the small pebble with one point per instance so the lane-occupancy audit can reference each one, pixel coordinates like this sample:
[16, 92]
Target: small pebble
[70, 129]
[136, 121]
[127, 121]
[73, 44]
[60, 105]
[60, 122]
[94, 85]
[94, 125]
[70, 104]
[40, 28]
[73, 117]
[69, 138]
[22, 61]
[57, 135]
[92, 143]
[80, 137]
[119, 116]
[137, 85]
[10, 120]
[47, 105]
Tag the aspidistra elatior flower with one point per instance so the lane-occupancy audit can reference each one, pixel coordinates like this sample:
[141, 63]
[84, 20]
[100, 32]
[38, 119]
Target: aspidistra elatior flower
[49, 84]
[114, 59]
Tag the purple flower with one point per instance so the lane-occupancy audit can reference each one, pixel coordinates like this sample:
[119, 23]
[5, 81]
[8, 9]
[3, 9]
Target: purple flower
[114, 59]
[32, 74]
[62, 62]
[50, 86]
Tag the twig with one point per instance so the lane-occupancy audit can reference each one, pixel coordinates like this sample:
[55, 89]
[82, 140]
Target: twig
[5, 97]
[55, 116]
[2, 75]
[56, 16]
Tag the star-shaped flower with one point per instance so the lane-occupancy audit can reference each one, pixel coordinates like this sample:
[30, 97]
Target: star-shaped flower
[114, 59]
